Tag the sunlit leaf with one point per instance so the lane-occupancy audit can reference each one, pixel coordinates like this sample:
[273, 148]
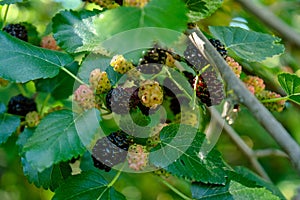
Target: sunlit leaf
[22, 62]
[248, 45]
[85, 186]
[291, 85]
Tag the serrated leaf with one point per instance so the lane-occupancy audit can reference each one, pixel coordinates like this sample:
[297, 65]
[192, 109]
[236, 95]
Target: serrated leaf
[8, 125]
[200, 9]
[59, 137]
[238, 191]
[3, 2]
[22, 62]
[231, 191]
[178, 153]
[61, 86]
[86, 186]
[210, 192]
[291, 85]
[248, 45]
[143, 27]
[244, 173]
[22, 139]
[69, 27]
[51, 178]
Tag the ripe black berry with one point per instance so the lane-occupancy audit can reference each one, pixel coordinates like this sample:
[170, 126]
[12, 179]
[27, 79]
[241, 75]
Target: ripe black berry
[17, 30]
[111, 150]
[209, 89]
[20, 105]
[194, 57]
[121, 100]
[219, 47]
[154, 59]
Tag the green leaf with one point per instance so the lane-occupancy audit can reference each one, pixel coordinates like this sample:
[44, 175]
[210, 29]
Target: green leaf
[22, 62]
[178, 153]
[238, 191]
[244, 173]
[86, 186]
[51, 178]
[200, 9]
[22, 139]
[2, 108]
[135, 27]
[291, 85]
[232, 190]
[248, 45]
[8, 125]
[93, 61]
[59, 137]
[210, 192]
[61, 86]
[70, 27]
[3, 2]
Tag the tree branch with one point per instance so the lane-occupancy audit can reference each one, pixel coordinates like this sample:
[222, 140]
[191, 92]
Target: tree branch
[267, 17]
[241, 144]
[266, 119]
[269, 152]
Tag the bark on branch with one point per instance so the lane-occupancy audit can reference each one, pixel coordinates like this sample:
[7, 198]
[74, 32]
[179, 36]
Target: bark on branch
[266, 119]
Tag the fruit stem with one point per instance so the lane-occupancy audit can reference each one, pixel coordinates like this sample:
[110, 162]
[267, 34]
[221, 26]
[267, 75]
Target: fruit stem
[73, 76]
[5, 16]
[275, 99]
[183, 196]
[116, 177]
[195, 92]
[21, 89]
[44, 103]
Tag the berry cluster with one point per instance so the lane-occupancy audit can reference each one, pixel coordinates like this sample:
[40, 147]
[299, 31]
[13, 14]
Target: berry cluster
[257, 87]
[235, 66]
[88, 96]
[219, 47]
[105, 3]
[48, 42]
[99, 81]
[32, 119]
[120, 64]
[209, 89]
[150, 94]
[194, 57]
[17, 30]
[154, 59]
[21, 105]
[137, 157]
[136, 3]
[111, 150]
[121, 100]
[254, 84]
[84, 96]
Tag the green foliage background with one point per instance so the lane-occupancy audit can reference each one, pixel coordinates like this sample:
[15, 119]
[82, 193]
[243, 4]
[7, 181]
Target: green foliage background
[14, 185]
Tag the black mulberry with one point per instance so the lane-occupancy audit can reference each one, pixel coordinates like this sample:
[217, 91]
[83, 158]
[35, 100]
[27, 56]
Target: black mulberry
[20, 105]
[111, 150]
[17, 30]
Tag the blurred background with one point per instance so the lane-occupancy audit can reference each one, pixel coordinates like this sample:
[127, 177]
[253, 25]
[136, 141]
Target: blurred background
[14, 186]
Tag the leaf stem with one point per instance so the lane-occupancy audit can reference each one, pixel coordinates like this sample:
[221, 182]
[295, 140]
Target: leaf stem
[45, 102]
[275, 99]
[21, 89]
[183, 196]
[116, 177]
[73, 76]
[5, 16]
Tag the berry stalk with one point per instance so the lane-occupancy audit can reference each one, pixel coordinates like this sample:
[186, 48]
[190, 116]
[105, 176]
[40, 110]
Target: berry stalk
[73, 76]
[183, 196]
[5, 16]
